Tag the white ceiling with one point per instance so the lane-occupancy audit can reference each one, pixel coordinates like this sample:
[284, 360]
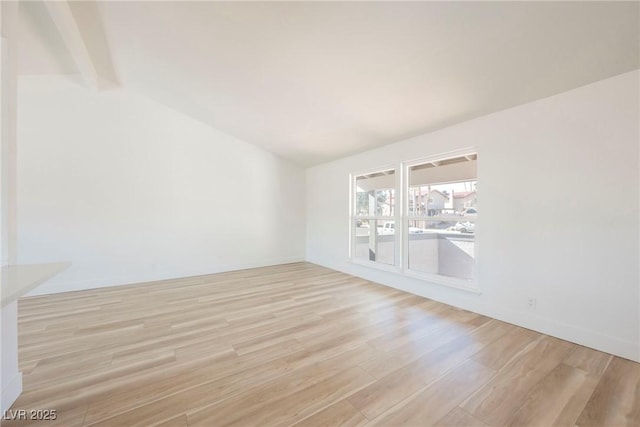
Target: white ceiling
[41, 49]
[315, 81]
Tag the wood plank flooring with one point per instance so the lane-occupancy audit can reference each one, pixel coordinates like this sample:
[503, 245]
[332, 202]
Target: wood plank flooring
[302, 345]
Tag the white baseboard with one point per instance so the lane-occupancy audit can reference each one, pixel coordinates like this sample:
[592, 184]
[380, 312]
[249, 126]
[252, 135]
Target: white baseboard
[60, 285]
[567, 332]
[10, 391]
[552, 327]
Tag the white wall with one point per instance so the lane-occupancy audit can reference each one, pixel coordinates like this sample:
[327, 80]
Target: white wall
[10, 376]
[130, 190]
[558, 202]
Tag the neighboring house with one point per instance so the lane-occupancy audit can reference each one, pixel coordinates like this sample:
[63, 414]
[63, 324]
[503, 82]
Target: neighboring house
[428, 202]
[463, 200]
[435, 201]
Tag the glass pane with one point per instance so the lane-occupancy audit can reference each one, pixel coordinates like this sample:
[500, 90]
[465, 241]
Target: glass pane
[364, 202]
[385, 202]
[375, 194]
[385, 242]
[443, 187]
[441, 200]
[361, 239]
[378, 246]
[444, 247]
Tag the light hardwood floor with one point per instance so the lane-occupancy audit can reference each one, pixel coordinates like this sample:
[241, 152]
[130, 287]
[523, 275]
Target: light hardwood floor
[302, 345]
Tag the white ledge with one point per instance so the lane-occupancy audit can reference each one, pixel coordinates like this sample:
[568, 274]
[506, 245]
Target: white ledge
[18, 280]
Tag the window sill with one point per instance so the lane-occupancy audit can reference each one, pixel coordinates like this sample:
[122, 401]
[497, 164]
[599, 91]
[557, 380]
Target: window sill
[450, 282]
[376, 265]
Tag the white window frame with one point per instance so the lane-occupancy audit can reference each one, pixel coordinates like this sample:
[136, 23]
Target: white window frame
[396, 218]
[401, 218]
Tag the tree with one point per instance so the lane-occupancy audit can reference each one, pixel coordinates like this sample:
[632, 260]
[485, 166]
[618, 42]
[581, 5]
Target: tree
[381, 199]
[362, 203]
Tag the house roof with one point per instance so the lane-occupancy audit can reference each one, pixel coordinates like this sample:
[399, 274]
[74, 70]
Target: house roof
[446, 196]
[463, 194]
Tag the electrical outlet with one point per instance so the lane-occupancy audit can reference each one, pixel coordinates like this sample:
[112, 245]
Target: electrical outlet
[531, 303]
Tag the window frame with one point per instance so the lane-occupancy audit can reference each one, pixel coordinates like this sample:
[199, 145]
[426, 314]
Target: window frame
[402, 217]
[455, 282]
[353, 217]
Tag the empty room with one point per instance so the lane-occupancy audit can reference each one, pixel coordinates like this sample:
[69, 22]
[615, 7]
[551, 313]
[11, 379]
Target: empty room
[333, 213]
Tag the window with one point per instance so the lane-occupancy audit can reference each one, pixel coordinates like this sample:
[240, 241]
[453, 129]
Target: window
[431, 232]
[440, 233]
[373, 220]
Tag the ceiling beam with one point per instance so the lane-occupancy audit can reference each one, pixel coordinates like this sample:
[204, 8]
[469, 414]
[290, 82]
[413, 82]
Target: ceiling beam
[64, 20]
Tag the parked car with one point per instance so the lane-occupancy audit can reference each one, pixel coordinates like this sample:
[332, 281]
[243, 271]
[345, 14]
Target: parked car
[416, 230]
[441, 225]
[470, 212]
[465, 227]
[389, 228]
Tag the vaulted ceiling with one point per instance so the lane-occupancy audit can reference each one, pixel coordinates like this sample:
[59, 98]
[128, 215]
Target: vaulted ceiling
[315, 81]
